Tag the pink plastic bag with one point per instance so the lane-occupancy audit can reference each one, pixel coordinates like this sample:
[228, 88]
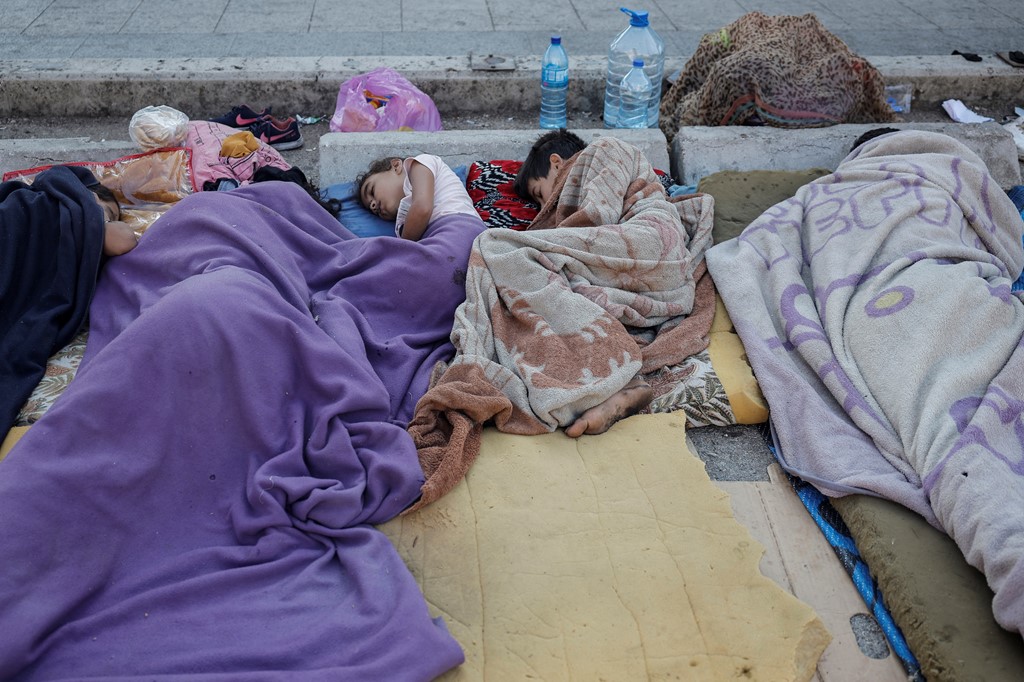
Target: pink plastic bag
[381, 100]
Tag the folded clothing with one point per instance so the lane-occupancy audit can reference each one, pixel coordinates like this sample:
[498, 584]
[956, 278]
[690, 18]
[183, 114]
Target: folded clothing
[207, 140]
[238, 145]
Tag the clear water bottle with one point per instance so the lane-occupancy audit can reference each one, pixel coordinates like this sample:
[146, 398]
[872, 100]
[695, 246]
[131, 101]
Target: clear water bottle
[554, 85]
[637, 41]
[634, 97]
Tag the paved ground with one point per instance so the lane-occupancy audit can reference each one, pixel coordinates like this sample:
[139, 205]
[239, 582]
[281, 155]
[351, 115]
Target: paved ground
[84, 31]
[33, 29]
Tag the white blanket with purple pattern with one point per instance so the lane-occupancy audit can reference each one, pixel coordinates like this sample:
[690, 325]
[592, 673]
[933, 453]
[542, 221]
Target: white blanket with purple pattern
[876, 311]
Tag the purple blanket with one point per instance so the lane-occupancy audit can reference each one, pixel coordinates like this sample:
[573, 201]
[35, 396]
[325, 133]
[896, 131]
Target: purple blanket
[199, 500]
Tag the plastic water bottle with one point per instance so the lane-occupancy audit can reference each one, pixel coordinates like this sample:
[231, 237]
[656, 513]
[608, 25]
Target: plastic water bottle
[634, 97]
[637, 41]
[554, 85]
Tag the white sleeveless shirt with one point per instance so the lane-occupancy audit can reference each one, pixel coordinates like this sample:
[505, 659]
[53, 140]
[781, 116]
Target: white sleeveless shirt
[450, 195]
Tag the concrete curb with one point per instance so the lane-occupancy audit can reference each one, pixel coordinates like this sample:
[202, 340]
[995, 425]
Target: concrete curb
[343, 156]
[208, 87]
[695, 152]
[700, 151]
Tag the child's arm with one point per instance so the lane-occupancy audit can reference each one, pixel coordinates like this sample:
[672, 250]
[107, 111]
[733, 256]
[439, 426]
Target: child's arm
[422, 180]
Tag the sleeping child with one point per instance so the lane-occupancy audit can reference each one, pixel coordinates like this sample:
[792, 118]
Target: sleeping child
[55, 235]
[413, 192]
[536, 176]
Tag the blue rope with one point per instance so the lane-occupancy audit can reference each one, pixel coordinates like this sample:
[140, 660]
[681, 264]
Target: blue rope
[837, 533]
[1016, 195]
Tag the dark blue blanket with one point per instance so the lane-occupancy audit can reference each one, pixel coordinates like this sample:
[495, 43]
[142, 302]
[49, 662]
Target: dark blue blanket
[51, 243]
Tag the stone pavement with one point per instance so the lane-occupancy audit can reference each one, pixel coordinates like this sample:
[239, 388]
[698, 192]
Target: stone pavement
[77, 60]
[56, 29]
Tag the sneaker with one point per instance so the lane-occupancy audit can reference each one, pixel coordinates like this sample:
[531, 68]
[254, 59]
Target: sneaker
[278, 134]
[241, 117]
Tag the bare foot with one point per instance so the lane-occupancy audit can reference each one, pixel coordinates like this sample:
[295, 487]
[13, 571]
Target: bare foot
[630, 399]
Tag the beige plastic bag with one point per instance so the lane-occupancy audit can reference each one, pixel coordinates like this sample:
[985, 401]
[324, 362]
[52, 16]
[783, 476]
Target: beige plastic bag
[159, 126]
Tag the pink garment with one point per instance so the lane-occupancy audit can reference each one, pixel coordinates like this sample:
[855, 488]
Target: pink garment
[205, 139]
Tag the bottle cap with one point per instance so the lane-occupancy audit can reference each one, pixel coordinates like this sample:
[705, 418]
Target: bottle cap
[638, 63]
[636, 18]
[556, 40]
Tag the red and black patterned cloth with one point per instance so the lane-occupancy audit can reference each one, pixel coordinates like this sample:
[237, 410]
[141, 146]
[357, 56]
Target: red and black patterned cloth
[490, 186]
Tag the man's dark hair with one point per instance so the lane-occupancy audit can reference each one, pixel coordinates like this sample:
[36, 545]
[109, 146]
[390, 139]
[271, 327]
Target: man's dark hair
[872, 134]
[103, 192]
[538, 161]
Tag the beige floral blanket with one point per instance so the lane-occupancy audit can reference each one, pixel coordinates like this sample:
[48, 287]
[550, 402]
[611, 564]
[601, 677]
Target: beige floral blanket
[608, 282]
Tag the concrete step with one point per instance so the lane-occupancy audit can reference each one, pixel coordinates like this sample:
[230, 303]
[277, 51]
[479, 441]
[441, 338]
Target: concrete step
[700, 151]
[343, 156]
[694, 153]
[21, 154]
[458, 85]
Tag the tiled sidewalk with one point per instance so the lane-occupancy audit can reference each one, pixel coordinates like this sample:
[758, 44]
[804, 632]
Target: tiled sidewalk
[39, 29]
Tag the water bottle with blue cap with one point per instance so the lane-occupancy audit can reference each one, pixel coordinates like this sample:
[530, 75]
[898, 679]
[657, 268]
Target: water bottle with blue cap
[554, 85]
[634, 97]
[637, 41]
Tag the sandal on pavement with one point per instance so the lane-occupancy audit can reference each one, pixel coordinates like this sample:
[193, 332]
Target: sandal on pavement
[969, 56]
[1014, 58]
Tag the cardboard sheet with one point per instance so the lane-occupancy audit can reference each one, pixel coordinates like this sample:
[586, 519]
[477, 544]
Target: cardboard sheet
[941, 603]
[607, 557]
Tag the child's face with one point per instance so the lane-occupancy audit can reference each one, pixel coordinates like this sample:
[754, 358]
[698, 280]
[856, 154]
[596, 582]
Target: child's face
[539, 189]
[111, 209]
[382, 192]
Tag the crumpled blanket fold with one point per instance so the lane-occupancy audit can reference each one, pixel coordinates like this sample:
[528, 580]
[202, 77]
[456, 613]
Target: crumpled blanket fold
[561, 316]
[200, 501]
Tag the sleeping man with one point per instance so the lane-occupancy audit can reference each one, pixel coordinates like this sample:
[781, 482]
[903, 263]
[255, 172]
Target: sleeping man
[877, 311]
[562, 320]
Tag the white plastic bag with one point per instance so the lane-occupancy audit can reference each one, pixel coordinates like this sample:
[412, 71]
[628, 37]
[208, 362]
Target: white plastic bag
[159, 126]
[959, 112]
[1016, 129]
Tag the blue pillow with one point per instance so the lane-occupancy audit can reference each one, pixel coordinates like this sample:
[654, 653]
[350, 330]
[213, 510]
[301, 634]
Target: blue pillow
[358, 219]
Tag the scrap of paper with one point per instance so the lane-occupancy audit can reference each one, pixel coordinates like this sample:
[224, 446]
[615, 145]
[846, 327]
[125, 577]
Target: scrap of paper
[959, 112]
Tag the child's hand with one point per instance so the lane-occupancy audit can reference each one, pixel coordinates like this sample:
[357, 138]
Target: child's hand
[118, 238]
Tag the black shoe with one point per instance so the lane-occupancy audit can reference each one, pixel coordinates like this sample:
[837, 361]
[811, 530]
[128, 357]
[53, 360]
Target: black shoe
[242, 117]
